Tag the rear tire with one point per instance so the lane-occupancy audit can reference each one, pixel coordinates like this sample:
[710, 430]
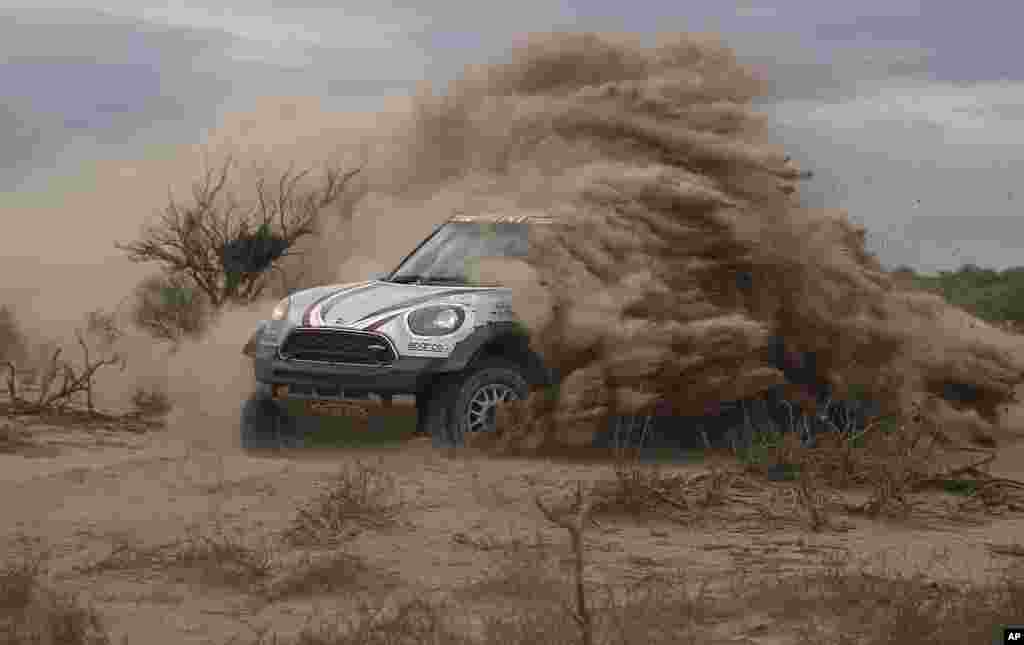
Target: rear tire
[266, 425]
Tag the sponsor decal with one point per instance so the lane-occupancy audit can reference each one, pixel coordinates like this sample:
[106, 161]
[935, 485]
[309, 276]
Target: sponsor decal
[420, 346]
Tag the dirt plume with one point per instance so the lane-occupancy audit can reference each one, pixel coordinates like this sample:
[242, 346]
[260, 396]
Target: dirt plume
[682, 246]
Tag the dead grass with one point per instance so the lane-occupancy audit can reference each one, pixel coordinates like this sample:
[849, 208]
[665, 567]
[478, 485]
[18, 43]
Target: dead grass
[642, 490]
[660, 614]
[358, 497]
[525, 573]
[216, 557]
[223, 559]
[325, 574]
[893, 464]
[413, 623]
[33, 613]
[864, 608]
[835, 604]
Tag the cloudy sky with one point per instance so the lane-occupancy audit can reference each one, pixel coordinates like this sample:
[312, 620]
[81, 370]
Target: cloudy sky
[910, 113]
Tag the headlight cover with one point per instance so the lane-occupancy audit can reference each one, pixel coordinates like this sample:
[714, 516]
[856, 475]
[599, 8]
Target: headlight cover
[436, 320]
[281, 309]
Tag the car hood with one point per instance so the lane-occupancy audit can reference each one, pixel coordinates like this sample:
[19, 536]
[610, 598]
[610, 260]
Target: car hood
[361, 305]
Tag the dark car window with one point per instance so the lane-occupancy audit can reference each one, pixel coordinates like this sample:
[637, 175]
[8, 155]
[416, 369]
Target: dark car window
[448, 255]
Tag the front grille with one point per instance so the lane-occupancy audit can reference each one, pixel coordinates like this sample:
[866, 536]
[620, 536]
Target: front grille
[331, 346]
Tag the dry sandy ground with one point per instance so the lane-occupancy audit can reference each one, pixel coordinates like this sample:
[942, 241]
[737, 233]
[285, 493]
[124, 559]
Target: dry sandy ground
[90, 495]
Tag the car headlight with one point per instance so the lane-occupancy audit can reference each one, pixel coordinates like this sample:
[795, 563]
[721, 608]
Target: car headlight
[437, 320]
[281, 309]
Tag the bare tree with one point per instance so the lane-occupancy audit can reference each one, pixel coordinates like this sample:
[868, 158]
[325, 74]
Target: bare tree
[229, 250]
[575, 526]
[62, 381]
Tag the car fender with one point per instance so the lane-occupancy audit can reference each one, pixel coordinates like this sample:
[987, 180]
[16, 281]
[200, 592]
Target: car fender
[468, 349]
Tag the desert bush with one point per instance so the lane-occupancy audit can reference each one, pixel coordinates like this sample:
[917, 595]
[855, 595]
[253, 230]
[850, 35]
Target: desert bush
[358, 497]
[334, 572]
[62, 382]
[167, 308]
[225, 250]
[33, 613]
[151, 403]
[879, 609]
[223, 559]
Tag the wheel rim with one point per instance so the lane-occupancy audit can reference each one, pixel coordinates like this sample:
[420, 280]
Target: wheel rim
[480, 414]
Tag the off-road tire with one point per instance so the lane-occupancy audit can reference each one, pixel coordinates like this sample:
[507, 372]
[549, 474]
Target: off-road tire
[469, 399]
[266, 425]
[432, 411]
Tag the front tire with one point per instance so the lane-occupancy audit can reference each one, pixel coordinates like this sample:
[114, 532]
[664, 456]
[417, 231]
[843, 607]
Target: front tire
[472, 399]
[266, 425]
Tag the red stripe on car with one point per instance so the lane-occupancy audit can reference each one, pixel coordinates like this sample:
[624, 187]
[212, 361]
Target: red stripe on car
[383, 321]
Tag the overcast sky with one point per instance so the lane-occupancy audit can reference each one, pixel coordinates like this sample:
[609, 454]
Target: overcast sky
[910, 113]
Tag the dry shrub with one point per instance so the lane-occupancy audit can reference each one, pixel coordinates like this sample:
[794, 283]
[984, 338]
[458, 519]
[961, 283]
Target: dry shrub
[222, 559]
[358, 497]
[813, 502]
[893, 460]
[167, 308]
[835, 605]
[642, 491]
[225, 248]
[896, 463]
[311, 575]
[654, 612]
[870, 609]
[127, 554]
[151, 403]
[412, 623]
[660, 612]
[33, 613]
[63, 382]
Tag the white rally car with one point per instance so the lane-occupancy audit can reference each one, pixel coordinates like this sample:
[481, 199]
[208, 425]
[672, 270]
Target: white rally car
[428, 329]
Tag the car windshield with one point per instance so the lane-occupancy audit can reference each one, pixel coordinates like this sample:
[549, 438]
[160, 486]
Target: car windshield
[450, 254]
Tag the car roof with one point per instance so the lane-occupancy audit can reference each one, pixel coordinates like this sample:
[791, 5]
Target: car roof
[502, 218]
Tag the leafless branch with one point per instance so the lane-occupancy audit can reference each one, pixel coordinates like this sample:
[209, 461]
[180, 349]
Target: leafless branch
[73, 381]
[192, 240]
[12, 384]
[575, 527]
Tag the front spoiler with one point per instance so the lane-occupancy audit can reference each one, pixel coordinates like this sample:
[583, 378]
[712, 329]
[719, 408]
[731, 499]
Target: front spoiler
[404, 376]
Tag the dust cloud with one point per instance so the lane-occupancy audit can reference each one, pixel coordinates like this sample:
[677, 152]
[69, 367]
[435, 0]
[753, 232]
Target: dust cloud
[681, 246]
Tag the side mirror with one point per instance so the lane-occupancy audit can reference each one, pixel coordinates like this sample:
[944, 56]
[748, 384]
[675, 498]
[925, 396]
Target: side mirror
[380, 275]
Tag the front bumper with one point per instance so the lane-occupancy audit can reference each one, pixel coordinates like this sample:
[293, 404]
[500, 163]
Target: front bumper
[322, 381]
